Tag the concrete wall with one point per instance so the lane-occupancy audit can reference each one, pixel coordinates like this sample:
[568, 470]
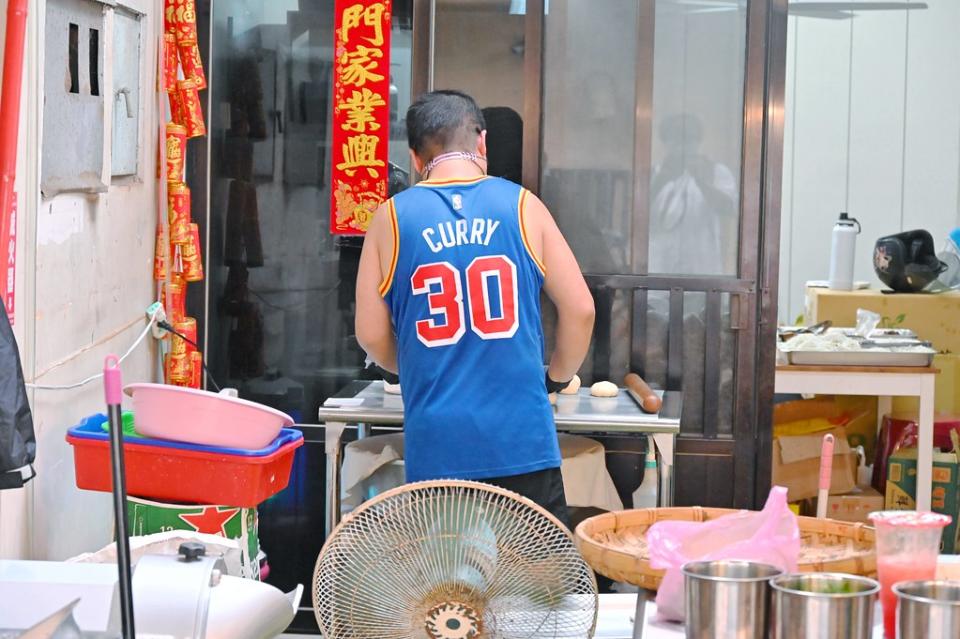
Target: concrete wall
[872, 127]
[84, 277]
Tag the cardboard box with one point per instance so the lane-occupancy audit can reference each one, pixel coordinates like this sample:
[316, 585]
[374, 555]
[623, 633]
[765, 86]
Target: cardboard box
[933, 317]
[148, 517]
[853, 507]
[902, 488]
[856, 415]
[796, 465]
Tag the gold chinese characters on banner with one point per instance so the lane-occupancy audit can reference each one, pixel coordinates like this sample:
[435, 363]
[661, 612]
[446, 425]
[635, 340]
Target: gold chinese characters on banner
[361, 113]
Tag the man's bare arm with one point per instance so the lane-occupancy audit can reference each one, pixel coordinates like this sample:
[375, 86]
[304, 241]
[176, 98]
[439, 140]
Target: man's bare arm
[373, 324]
[566, 288]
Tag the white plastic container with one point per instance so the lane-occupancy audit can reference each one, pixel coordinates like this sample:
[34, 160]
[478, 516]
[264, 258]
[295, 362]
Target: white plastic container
[645, 496]
[843, 250]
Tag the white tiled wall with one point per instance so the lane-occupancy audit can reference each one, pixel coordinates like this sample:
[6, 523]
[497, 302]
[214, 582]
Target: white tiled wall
[872, 127]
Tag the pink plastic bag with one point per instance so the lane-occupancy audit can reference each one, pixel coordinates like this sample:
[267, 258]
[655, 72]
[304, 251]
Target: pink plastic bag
[770, 536]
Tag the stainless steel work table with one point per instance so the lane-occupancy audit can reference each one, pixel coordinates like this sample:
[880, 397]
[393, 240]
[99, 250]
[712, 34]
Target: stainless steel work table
[365, 404]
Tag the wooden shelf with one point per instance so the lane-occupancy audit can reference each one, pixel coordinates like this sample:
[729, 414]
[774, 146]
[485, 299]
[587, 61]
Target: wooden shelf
[916, 370]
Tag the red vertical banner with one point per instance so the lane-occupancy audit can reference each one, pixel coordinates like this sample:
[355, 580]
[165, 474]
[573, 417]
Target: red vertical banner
[361, 113]
[9, 297]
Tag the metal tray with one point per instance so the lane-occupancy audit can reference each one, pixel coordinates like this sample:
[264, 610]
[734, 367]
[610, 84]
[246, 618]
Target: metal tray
[881, 333]
[860, 358]
[894, 342]
[876, 336]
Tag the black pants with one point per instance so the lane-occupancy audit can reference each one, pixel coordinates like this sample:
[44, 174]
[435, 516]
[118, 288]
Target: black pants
[543, 487]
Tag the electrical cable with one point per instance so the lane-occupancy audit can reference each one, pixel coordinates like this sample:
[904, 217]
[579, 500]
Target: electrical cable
[93, 378]
[165, 325]
[143, 335]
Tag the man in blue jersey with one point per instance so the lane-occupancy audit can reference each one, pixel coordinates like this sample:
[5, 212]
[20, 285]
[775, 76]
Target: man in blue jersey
[448, 296]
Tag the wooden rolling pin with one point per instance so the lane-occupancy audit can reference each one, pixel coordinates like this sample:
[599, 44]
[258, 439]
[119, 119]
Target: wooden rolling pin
[649, 401]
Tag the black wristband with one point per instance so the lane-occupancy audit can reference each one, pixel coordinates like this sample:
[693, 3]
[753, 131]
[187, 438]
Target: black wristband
[388, 377]
[555, 387]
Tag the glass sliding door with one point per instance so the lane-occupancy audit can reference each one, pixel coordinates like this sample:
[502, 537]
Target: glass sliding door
[589, 126]
[276, 272]
[280, 287]
[646, 127]
[697, 131]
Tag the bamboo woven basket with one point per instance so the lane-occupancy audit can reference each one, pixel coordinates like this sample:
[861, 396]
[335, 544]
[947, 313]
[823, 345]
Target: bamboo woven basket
[614, 544]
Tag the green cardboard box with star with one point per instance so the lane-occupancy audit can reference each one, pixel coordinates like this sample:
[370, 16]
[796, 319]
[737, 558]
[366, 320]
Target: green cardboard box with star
[147, 517]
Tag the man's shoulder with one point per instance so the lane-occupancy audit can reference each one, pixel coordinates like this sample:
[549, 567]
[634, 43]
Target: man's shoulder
[503, 183]
[409, 193]
[410, 198]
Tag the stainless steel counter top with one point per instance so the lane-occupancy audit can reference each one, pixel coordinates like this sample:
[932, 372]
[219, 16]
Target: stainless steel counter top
[367, 403]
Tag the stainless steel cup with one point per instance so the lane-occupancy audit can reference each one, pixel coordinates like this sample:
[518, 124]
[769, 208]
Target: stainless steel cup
[727, 599]
[928, 609]
[823, 606]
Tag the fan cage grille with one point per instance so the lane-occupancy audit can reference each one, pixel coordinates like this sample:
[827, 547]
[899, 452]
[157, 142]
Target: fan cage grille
[414, 548]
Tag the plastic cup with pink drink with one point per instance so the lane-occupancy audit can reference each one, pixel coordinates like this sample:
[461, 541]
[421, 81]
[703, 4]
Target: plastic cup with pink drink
[908, 543]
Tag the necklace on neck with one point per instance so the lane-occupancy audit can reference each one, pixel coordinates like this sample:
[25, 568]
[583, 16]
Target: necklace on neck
[454, 155]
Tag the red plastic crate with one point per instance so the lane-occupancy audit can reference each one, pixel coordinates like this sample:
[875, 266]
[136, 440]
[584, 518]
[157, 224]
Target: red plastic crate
[182, 475]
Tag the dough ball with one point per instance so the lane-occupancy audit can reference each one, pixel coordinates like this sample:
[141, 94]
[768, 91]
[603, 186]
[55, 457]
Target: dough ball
[392, 389]
[572, 387]
[604, 389]
[553, 399]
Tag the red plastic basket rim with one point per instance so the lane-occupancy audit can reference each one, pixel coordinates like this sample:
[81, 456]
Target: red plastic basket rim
[81, 442]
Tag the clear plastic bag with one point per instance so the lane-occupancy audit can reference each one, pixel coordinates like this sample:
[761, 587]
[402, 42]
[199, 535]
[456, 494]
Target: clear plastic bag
[771, 536]
[867, 322]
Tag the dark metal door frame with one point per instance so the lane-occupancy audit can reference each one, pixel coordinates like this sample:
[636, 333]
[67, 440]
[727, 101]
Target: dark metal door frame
[769, 260]
[753, 293]
[760, 241]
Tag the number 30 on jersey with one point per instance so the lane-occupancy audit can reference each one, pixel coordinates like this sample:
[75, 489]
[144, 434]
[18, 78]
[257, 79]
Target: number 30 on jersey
[493, 277]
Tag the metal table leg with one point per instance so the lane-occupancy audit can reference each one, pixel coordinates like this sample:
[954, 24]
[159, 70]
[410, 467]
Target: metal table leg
[363, 431]
[665, 443]
[640, 614]
[333, 434]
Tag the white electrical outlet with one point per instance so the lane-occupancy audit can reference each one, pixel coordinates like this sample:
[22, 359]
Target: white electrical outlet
[156, 312]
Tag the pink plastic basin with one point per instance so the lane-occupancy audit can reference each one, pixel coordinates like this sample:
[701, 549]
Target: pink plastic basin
[201, 417]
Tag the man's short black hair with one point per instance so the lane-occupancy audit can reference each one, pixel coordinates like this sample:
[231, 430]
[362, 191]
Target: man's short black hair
[443, 121]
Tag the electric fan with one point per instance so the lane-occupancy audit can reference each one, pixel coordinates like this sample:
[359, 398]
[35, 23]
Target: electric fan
[452, 560]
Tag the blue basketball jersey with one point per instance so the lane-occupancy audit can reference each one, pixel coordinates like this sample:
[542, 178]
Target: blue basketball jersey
[464, 294]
